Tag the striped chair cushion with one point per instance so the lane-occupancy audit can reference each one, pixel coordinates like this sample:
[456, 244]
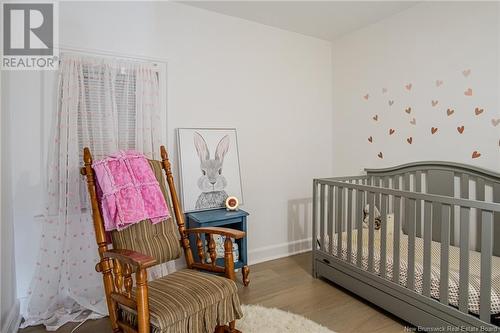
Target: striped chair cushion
[189, 301]
[160, 240]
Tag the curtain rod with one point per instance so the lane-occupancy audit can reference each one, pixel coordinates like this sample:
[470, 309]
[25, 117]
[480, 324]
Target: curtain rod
[88, 51]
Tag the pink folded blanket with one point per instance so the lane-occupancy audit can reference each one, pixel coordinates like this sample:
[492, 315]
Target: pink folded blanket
[129, 190]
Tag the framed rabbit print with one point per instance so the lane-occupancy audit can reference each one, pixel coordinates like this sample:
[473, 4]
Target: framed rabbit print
[210, 167]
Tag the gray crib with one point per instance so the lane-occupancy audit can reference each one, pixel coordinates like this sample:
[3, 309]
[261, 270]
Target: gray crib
[434, 261]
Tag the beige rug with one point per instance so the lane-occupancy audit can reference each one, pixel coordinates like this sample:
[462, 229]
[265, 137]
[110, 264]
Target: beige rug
[258, 319]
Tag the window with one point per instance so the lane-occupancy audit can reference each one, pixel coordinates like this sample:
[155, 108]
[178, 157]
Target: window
[107, 112]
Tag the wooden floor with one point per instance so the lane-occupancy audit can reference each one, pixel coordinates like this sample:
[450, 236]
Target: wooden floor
[288, 285]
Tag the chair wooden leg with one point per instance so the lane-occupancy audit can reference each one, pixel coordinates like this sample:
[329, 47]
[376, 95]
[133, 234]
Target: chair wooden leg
[232, 327]
[142, 302]
[107, 277]
[244, 272]
[228, 259]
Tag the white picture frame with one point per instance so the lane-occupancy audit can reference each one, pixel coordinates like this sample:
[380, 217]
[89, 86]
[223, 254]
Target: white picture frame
[209, 167]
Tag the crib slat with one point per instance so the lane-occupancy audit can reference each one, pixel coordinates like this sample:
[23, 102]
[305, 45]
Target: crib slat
[410, 284]
[330, 221]
[358, 217]
[418, 181]
[486, 254]
[322, 215]
[464, 186]
[445, 254]
[464, 247]
[406, 181]
[418, 188]
[480, 195]
[349, 225]
[371, 230]
[387, 184]
[383, 236]
[378, 183]
[464, 260]
[405, 186]
[396, 239]
[395, 182]
[426, 283]
[340, 208]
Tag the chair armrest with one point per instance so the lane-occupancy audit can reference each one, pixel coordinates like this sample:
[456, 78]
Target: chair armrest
[119, 279]
[133, 258]
[228, 232]
[228, 268]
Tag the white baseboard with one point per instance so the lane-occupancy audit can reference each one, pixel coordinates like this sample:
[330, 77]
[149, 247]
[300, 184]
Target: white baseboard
[13, 320]
[277, 251]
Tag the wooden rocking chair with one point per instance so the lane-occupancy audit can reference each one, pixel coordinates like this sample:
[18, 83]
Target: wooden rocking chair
[184, 301]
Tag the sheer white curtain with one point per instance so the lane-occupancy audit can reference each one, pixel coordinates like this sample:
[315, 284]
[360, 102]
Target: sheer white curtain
[107, 105]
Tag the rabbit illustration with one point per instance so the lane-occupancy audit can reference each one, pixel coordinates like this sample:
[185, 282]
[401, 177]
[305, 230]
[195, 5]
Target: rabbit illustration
[211, 183]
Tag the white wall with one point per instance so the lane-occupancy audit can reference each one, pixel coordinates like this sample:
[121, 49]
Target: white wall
[273, 86]
[22, 169]
[428, 42]
[9, 305]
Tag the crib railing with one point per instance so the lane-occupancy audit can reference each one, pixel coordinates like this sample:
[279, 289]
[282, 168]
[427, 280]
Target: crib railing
[338, 205]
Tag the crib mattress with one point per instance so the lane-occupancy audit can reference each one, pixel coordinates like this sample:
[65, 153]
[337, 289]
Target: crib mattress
[454, 264]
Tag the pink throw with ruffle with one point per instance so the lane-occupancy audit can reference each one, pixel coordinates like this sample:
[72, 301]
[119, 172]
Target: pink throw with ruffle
[130, 191]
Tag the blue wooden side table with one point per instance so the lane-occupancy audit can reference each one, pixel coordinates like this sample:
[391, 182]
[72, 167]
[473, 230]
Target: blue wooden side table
[228, 219]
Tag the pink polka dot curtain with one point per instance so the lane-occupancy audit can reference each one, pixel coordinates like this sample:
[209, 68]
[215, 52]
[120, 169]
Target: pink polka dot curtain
[107, 105]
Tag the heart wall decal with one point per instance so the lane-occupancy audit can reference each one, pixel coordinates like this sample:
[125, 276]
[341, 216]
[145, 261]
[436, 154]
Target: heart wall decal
[366, 96]
[408, 86]
[408, 110]
[434, 130]
[439, 83]
[375, 117]
[449, 112]
[380, 155]
[495, 122]
[460, 129]
[370, 139]
[434, 103]
[409, 140]
[391, 131]
[413, 121]
[476, 154]
[466, 72]
[468, 92]
[391, 102]
[478, 111]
